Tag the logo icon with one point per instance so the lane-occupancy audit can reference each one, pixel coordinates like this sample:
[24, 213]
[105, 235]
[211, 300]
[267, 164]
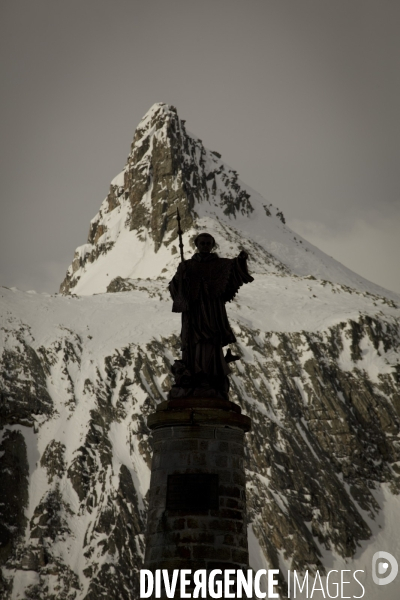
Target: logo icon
[381, 561]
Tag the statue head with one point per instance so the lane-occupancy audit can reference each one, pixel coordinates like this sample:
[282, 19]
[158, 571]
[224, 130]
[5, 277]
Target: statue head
[204, 242]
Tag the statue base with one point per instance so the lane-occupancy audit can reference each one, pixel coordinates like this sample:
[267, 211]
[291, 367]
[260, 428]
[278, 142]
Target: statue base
[199, 411]
[197, 498]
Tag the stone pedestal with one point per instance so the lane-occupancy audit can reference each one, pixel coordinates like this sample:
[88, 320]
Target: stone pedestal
[197, 504]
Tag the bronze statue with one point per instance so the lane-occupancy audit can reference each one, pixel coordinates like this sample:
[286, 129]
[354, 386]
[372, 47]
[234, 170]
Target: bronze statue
[200, 289]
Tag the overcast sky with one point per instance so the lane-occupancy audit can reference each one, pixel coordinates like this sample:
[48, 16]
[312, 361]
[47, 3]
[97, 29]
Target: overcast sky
[301, 97]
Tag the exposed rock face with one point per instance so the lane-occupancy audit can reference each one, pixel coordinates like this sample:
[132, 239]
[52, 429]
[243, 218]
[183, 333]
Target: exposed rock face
[134, 234]
[13, 492]
[86, 504]
[325, 436]
[24, 391]
[166, 169]
[328, 440]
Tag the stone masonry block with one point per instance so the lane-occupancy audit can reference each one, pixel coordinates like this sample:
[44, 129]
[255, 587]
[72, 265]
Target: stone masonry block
[221, 460]
[178, 523]
[162, 434]
[240, 556]
[229, 513]
[196, 536]
[157, 500]
[175, 460]
[176, 552]
[226, 433]
[237, 462]
[234, 503]
[218, 446]
[212, 552]
[158, 477]
[239, 478]
[204, 445]
[223, 525]
[232, 491]
[156, 461]
[179, 563]
[193, 523]
[198, 459]
[225, 476]
[237, 449]
[155, 513]
[187, 445]
[155, 552]
[197, 432]
[240, 527]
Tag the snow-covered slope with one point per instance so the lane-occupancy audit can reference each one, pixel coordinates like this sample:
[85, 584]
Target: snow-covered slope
[134, 235]
[319, 375]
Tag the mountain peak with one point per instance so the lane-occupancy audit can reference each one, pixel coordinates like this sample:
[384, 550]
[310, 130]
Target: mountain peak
[158, 113]
[134, 234]
[167, 168]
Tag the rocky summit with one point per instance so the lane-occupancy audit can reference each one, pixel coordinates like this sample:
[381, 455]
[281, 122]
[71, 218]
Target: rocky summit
[80, 372]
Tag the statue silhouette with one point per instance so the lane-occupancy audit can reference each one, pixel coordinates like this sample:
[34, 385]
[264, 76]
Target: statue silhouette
[200, 288]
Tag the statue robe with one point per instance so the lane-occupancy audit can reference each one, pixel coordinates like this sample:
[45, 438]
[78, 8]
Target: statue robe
[200, 289]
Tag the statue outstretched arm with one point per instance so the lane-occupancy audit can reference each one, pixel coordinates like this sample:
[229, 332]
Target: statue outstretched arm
[239, 275]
